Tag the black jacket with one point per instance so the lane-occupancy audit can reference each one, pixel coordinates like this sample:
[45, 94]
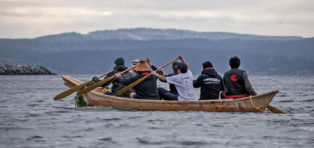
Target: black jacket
[147, 89]
[211, 84]
[116, 85]
[236, 82]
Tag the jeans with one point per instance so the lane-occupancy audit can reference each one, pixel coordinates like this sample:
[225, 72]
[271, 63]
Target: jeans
[166, 95]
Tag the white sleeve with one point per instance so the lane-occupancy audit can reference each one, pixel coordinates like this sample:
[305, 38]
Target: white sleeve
[173, 79]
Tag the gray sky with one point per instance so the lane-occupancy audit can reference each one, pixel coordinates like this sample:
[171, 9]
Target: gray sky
[33, 18]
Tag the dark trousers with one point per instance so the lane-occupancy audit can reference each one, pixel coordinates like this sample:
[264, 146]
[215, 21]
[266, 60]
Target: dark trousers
[166, 95]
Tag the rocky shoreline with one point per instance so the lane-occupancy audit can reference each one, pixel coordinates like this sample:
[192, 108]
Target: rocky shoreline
[21, 69]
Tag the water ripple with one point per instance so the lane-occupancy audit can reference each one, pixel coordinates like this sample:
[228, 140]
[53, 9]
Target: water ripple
[29, 117]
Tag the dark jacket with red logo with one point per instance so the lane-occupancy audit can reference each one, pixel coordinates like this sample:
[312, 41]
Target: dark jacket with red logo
[236, 82]
[210, 82]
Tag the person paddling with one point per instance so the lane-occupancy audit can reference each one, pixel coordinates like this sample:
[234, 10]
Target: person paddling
[116, 86]
[183, 82]
[146, 89]
[172, 87]
[236, 81]
[210, 82]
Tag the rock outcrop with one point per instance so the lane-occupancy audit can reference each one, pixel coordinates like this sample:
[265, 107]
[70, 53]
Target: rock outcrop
[20, 69]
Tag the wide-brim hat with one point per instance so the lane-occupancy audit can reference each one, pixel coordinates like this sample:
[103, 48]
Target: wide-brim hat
[142, 66]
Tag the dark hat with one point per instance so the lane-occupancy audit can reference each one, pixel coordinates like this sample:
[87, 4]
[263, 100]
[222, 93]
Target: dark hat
[119, 61]
[175, 65]
[207, 64]
[234, 62]
[142, 66]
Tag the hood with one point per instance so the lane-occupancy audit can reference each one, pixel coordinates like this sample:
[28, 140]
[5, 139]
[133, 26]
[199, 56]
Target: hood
[210, 72]
[120, 68]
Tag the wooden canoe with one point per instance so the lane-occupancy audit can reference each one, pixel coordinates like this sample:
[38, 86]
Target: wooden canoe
[256, 103]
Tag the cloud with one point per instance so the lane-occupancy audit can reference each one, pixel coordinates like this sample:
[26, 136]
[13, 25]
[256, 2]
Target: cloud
[289, 17]
[54, 12]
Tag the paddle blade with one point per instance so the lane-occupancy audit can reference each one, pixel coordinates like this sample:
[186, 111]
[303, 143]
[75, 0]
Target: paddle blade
[83, 91]
[275, 110]
[70, 91]
[101, 82]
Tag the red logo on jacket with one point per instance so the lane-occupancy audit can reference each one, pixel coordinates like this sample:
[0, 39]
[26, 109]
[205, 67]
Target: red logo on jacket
[234, 78]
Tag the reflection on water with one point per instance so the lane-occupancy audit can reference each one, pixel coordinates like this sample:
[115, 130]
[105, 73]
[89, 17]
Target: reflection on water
[30, 118]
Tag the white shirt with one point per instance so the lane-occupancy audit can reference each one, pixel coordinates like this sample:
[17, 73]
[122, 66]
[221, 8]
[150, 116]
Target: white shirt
[184, 85]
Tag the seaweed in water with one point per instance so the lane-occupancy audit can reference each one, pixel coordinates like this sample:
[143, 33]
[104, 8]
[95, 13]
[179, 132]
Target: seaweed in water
[79, 102]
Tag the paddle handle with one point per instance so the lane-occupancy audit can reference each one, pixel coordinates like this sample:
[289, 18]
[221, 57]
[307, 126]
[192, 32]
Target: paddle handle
[104, 74]
[76, 88]
[121, 91]
[83, 91]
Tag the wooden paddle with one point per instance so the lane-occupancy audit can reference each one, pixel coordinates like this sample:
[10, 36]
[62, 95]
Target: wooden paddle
[89, 88]
[275, 110]
[76, 88]
[121, 91]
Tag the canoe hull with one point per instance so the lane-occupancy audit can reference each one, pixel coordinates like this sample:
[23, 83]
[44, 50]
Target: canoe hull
[256, 103]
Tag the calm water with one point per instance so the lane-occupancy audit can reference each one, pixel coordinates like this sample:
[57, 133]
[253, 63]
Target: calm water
[30, 118]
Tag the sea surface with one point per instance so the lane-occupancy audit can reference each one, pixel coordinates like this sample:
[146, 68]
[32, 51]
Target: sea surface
[29, 117]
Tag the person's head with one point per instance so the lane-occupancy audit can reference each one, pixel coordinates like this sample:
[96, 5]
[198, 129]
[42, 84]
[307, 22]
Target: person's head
[234, 62]
[119, 61]
[135, 62]
[207, 64]
[182, 68]
[175, 66]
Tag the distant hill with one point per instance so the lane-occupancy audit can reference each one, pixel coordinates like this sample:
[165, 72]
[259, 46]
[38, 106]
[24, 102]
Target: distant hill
[94, 52]
[145, 34]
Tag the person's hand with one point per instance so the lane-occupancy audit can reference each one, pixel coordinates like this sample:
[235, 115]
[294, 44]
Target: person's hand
[148, 60]
[154, 73]
[181, 57]
[132, 94]
[95, 79]
[117, 75]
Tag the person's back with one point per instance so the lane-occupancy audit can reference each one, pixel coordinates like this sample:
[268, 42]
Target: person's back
[184, 84]
[147, 89]
[236, 81]
[210, 82]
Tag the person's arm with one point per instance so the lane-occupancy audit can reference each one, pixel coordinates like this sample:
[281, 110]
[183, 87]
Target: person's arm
[248, 85]
[149, 62]
[224, 84]
[162, 78]
[182, 59]
[125, 81]
[221, 83]
[109, 75]
[197, 83]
